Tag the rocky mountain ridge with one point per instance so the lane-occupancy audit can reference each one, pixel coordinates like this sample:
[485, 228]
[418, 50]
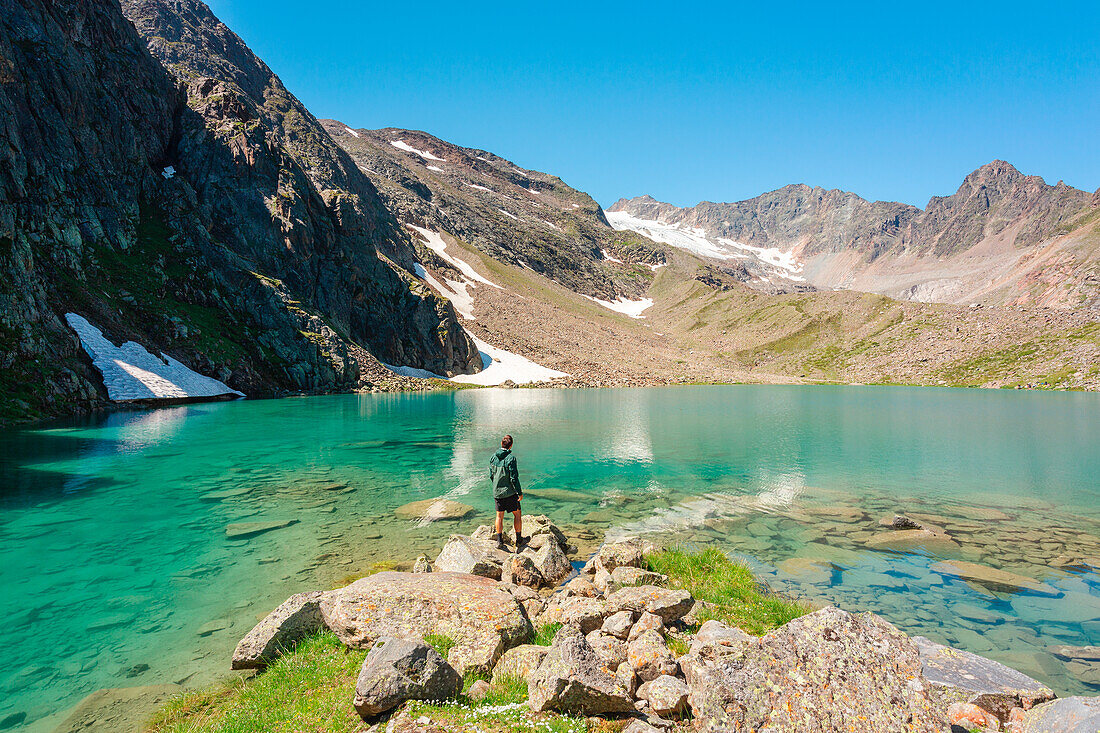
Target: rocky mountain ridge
[184, 213]
[1002, 238]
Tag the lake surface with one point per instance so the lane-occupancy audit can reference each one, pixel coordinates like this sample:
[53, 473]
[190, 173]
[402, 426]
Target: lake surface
[118, 570]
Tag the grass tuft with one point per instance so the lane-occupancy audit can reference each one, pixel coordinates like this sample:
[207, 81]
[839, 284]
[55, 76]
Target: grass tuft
[728, 586]
[544, 635]
[441, 643]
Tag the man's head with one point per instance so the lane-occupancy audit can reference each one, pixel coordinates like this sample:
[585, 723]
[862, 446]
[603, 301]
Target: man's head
[506, 441]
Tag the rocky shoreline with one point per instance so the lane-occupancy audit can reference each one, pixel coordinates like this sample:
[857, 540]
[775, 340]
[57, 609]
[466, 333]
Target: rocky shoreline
[618, 653]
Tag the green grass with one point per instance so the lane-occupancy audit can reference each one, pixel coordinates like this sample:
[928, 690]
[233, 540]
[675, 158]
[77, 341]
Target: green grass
[309, 689]
[441, 643]
[544, 635]
[711, 576]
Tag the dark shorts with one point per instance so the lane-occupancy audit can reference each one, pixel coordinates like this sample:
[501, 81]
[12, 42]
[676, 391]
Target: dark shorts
[508, 503]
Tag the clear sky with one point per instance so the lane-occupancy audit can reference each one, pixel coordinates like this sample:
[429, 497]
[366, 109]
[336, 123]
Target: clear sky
[687, 103]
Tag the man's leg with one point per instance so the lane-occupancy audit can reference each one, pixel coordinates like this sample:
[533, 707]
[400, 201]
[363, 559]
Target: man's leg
[517, 523]
[499, 528]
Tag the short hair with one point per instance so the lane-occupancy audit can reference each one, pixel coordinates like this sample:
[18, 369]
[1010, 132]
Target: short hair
[506, 441]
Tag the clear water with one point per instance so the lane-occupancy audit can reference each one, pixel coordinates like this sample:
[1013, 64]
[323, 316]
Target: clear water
[117, 570]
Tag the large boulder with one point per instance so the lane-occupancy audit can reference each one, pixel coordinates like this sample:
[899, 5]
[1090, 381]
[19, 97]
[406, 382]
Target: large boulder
[537, 525]
[666, 695]
[520, 661]
[573, 679]
[296, 618]
[961, 676]
[828, 670]
[397, 670]
[1067, 715]
[650, 657]
[618, 624]
[628, 553]
[624, 576]
[610, 649]
[463, 554]
[670, 604]
[521, 570]
[715, 643]
[483, 619]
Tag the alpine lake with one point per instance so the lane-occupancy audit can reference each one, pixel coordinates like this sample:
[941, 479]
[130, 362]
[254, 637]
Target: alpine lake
[136, 548]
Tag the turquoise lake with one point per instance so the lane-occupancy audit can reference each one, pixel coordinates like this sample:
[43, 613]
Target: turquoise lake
[118, 571]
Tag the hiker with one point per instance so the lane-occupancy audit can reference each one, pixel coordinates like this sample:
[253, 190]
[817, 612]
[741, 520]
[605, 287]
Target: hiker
[504, 475]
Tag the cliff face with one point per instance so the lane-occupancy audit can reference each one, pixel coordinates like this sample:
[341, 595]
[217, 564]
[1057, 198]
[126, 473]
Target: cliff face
[517, 216]
[182, 214]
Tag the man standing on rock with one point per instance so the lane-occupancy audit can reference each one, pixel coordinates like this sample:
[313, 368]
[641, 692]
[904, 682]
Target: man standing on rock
[504, 475]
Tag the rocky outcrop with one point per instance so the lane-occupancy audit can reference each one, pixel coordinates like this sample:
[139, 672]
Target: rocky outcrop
[573, 678]
[1068, 715]
[483, 619]
[396, 670]
[296, 618]
[204, 215]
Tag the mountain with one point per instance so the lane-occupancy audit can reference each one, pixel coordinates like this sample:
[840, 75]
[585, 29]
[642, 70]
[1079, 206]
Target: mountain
[202, 212]
[514, 215]
[1002, 238]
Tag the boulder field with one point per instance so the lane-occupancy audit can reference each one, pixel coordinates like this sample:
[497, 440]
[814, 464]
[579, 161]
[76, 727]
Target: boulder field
[829, 670]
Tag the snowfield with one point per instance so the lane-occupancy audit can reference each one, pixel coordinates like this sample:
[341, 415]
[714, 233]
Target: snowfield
[499, 366]
[132, 373]
[351, 131]
[436, 244]
[632, 308]
[402, 145]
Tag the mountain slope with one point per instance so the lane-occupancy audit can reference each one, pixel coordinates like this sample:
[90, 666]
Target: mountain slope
[196, 232]
[1002, 237]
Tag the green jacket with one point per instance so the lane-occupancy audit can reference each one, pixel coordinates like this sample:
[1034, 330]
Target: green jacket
[504, 474]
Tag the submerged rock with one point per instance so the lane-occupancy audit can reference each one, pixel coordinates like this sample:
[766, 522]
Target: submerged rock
[296, 618]
[961, 676]
[483, 619]
[993, 578]
[574, 679]
[433, 509]
[828, 670]
[397, 670]
[241, 530]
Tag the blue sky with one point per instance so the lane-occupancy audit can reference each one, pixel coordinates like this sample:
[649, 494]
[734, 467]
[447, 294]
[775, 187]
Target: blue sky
[691, 103]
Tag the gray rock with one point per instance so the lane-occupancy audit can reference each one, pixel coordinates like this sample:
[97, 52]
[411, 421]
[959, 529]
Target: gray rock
[551, 562]
[397, 670]
[478, 690]
[581, 587]
[462, 554]
[961, 676]
[422, 565]
[584, 613]
[624, 576]
[1084, 653]
[520, 661]
[666, 695]
[650, 657]
[521, 570]
[610, 649]
[620, 554]
[296, 618]
[646, 622]
[603, 582]
[670, 604]
[573, 679]
[826, 671]
[618, 624]
[624, 673]
[1067, 715]
[483, 619]
[715, 633]
[434, 509]
[639, 726]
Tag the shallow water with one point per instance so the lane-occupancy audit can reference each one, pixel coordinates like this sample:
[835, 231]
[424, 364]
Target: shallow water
[119, 572]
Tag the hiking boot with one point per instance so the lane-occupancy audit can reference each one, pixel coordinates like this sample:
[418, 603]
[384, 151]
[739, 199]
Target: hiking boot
[499, 539]
[522, 542]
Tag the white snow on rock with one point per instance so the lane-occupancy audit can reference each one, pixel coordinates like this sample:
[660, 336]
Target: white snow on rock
[632, 308]
[694, 239]
[435, 168]
[499, 366]
[436, 244]
[610, 257]
[479, 188]
[453, 291]
[553, 226]
[351, 131]
[168, 171]
[132, 373]
[508, 214]
[402, 145]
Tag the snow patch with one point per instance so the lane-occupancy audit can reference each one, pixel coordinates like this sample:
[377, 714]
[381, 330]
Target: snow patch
[437, 169]
[508, 214]
[499, 366]
[772, 255]
[656, 267]
[132, 373]
[351, 131]
[553, 226]
[436, 244]
[452, 290]
[479, 188]
[632, 308]
[610, 257]
[402, 145]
